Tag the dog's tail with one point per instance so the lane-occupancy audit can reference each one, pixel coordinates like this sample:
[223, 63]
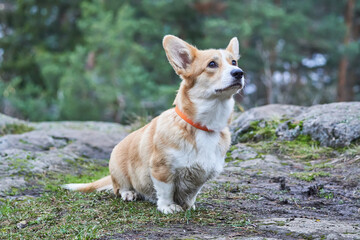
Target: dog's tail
[102, 184]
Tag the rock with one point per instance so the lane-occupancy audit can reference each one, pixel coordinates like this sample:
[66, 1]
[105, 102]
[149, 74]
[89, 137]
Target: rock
[271, 112]
[4, 120]
[314, 228]
[333, 125]
[54, 147]
[22, 224]
[243, 152]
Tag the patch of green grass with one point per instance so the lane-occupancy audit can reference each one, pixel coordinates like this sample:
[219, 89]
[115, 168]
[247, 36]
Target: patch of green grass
[353, 149]
[310, 167]
[62, 214]
[309, 176]
[52, 182]
[327, 195]
[15, 129]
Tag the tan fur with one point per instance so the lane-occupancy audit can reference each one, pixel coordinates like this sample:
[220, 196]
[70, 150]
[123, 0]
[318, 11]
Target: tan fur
[96, 185]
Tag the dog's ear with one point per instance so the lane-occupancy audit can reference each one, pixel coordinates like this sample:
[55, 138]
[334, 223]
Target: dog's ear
[233, 47]
[179, 53]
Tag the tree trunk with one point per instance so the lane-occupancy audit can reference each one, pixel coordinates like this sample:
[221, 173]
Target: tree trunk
[344, 90]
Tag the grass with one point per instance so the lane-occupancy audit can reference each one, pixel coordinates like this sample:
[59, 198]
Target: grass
[327, 195]
[15, 129]
[309, 176]
[61, 214]
[310, 167]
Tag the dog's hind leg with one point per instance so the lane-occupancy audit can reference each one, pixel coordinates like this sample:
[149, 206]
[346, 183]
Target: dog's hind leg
[129, 195]
[116, 186]
[123, 190]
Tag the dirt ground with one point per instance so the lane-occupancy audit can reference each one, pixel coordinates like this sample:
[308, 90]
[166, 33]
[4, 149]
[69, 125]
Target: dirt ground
[276, 205]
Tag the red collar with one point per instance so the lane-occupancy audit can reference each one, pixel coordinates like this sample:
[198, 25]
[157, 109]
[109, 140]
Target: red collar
[186, 119]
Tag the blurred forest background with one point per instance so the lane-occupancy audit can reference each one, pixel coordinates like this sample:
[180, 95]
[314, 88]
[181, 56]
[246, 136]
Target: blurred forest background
[103, 60]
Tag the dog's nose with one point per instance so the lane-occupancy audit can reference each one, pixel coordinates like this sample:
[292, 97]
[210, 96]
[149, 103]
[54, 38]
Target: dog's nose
[237, 74]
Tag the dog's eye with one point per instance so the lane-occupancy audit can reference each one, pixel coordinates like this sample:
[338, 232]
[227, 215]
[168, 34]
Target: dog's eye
[233, 62]
[212, 64]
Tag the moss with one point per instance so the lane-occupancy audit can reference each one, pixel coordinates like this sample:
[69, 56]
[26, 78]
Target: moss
[229, 157]
[309, 176]
[259, 130]
[295, 124]
[261, 135]
[15, 129]
[302, 148]
[20, 164]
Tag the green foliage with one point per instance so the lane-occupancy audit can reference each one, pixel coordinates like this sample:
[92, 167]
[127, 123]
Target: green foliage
[14, 128]
[309, 176]
[103, 60]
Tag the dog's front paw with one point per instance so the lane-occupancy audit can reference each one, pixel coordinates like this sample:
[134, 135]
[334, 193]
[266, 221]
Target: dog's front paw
[172, 208]
[129, 195]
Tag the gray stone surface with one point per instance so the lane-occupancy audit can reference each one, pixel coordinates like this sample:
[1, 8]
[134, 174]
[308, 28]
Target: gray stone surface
[334, 125]
[9, 120]
[314, 228]
[55, 147]
[268, 112]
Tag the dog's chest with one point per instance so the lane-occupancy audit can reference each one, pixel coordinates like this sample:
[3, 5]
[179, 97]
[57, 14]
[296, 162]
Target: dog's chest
[204, 158]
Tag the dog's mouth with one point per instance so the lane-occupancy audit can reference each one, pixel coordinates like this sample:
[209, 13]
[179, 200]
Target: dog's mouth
[236, 85]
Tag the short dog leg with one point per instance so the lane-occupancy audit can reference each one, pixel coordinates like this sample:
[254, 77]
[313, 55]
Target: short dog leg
[165, 197]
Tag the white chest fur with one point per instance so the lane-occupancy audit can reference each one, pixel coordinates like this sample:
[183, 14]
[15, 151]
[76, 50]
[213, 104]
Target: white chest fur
[206, 153]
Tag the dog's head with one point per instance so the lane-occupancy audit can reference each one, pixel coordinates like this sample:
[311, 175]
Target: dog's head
[209, 73]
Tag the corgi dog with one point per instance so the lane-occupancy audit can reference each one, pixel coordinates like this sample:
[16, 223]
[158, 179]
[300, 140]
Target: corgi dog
[169, 160]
